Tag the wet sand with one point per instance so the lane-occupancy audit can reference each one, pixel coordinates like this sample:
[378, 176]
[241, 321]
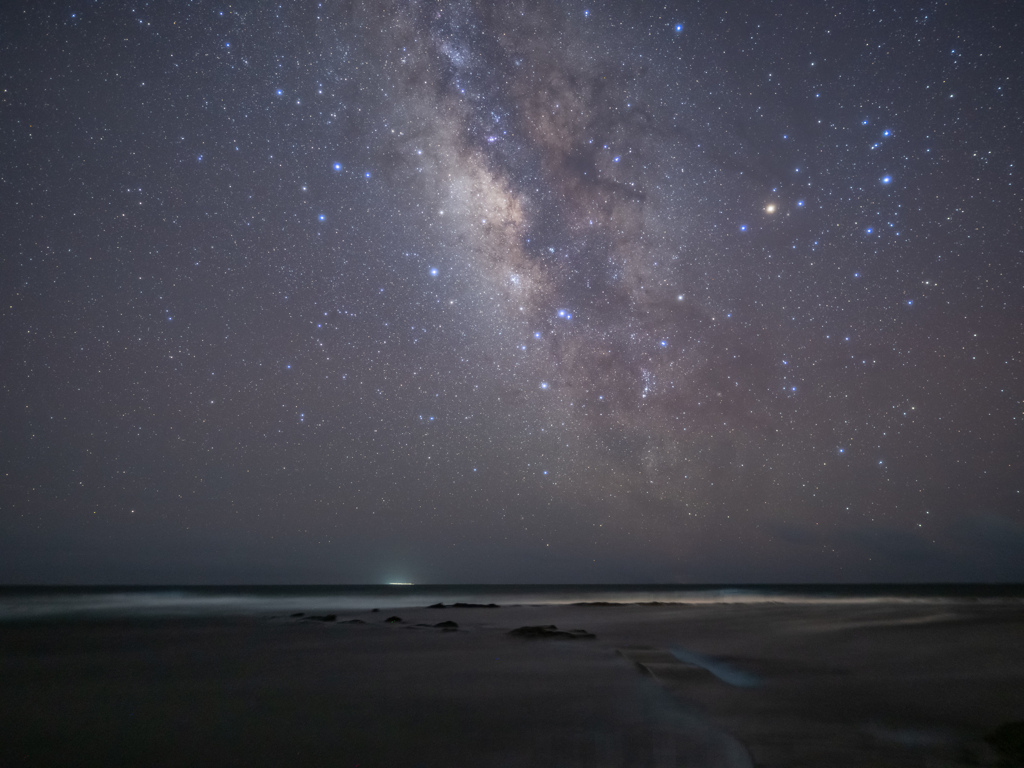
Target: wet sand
[676, 685]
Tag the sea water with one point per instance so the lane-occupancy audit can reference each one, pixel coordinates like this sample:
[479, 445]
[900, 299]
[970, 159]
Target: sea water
[27, 603]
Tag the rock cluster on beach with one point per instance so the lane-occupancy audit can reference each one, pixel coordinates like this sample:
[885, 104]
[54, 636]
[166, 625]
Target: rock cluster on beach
[447, 626]
[551, 631]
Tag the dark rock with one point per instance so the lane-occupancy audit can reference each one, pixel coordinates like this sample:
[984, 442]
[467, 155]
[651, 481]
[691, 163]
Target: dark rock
[534, 631]
[325, 617]
[392, 620]
[551, 631]
[1008, 740]
[436, 605]
[447, 625]
[475, 605]
[354, 621]
[375, 610]
[298, 615]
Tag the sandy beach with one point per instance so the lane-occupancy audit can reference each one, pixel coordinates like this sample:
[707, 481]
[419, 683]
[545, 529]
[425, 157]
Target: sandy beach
[829, 684]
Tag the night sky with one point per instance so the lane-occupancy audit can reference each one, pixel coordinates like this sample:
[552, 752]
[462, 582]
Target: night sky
[511, 292]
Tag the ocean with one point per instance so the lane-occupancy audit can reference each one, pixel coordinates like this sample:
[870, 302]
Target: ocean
[54, 602]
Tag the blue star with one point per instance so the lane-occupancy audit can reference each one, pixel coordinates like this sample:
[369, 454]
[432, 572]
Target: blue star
[743, 227]
[433, 271]
[679, 27]
[543, 385]
[337, 166]
[536, 334]
[664, 343]
[615, 159]
[322, 217]
[886, 179]
[367, 174]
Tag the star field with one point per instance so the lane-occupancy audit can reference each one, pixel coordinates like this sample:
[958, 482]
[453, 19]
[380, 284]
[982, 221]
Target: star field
[529, 291]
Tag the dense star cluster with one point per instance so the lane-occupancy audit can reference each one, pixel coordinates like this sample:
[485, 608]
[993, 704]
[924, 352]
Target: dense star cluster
[526, 291]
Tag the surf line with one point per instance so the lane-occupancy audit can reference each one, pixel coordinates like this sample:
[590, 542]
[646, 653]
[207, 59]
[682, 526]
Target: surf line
[719, 669]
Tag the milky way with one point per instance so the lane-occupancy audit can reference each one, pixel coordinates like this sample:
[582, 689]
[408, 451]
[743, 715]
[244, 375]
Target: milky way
[521, 291]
